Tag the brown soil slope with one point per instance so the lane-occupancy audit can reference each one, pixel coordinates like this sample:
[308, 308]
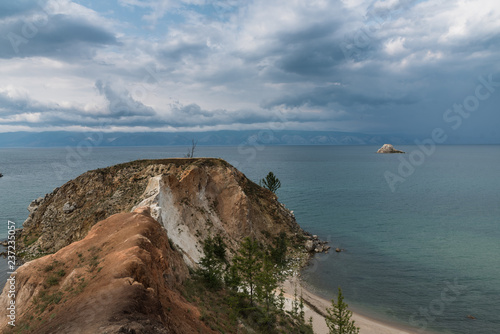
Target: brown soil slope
[121, 278]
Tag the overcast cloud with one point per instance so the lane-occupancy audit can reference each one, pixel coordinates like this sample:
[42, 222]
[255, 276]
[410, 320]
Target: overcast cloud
[379, 67]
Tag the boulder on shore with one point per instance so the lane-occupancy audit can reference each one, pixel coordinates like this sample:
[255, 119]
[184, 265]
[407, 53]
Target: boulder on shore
[388, 148]
[310, 246]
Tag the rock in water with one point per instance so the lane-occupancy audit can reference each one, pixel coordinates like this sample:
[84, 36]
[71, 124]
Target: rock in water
[388, 148]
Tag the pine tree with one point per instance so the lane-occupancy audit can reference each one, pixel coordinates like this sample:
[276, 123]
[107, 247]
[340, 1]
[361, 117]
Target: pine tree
[213, 262]
[248, 262]
[338, 318]
[232, 278]
[267, 282]
[219, 248]
[271, 182]
[279, 251]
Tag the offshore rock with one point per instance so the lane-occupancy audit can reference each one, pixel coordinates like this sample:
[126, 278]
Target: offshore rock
[388, 148]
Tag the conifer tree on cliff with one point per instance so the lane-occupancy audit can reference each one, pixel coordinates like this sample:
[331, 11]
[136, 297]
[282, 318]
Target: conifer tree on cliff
[248, 262]
[213, 262]
[271, 182]
[338, 318]
[267, 282]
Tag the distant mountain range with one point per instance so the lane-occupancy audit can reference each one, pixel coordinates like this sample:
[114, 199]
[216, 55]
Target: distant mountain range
[216, 138]
[233, 138]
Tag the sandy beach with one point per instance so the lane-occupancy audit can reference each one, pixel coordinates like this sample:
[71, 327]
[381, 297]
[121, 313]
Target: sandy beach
[315, 305]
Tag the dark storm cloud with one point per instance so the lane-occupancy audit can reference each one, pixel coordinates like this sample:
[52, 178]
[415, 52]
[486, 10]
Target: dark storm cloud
[12, 106]
[338, 96]
[311, 53]
[59, 36]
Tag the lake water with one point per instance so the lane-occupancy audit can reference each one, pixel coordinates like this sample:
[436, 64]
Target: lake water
[426, 255]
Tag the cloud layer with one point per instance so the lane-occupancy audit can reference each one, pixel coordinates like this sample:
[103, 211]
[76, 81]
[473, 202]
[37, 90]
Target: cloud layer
[352, 65]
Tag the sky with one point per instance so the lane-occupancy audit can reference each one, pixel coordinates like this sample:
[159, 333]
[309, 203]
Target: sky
[381, 67]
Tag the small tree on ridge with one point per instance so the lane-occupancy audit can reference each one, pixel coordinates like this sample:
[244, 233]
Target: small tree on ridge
[271, 182]
[190, 153]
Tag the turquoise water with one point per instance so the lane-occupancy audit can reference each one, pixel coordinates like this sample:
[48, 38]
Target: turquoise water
[426, 255]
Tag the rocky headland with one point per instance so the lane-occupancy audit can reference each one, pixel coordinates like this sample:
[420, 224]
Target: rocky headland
[191, 198]
[110, 250]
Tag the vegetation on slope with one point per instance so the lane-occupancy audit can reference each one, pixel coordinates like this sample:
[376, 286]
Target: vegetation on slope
[240, 297]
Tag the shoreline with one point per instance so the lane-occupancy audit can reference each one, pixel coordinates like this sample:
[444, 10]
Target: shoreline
[315, 307]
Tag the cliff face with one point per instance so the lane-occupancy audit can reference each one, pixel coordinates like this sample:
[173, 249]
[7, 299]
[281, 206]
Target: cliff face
[123, 274]
[191, 198]
[121, 278]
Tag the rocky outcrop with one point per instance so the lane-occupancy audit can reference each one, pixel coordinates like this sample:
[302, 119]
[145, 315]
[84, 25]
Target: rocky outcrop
[121, 278]
[123, 274]
[388, 148]
[315, 245]
[191, 198]
[35, 204]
